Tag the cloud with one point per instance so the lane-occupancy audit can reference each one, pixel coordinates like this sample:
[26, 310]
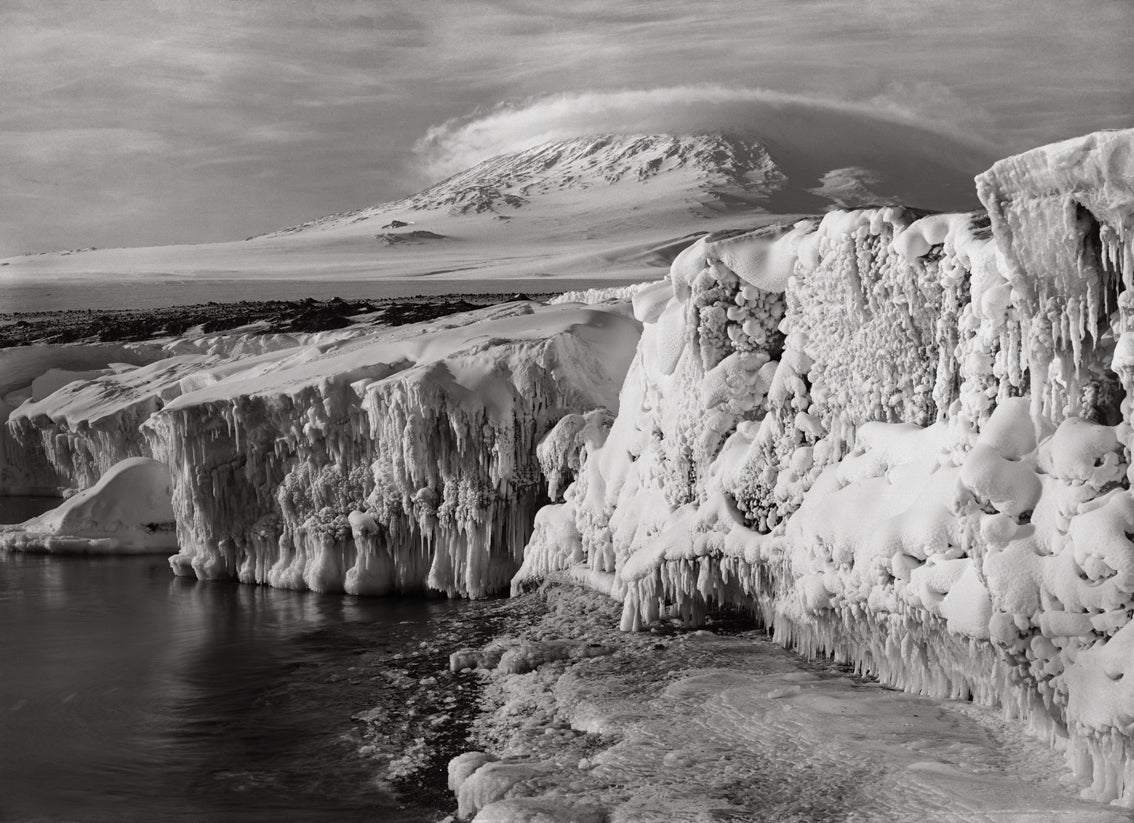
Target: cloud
[934, 102]
[49, 147]
[462, 142]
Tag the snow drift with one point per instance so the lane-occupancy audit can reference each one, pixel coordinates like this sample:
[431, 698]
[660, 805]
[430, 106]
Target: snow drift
[904, 439]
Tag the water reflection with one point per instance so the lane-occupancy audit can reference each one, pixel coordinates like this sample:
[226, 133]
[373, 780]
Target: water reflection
[131, 695]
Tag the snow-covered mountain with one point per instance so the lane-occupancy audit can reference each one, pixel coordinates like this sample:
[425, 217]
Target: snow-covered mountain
[613, 206]
[704, 167]
[704, 174]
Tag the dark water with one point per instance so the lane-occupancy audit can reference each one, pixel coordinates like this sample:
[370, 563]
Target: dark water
[143, 294]
[127, 694]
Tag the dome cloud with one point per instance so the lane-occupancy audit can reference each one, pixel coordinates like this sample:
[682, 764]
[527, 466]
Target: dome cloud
[462, 142]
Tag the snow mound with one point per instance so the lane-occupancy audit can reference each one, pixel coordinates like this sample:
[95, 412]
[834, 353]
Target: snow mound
[127, 511]
[904, 439]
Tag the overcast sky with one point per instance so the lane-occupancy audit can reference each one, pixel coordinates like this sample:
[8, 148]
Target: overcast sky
[136, 123]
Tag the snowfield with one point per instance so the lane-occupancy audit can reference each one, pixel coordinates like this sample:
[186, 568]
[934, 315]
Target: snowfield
[902, 438]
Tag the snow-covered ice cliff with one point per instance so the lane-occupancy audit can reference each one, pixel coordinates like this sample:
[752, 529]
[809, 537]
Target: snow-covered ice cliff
[73, 411]
[389, 462]
[905, 439]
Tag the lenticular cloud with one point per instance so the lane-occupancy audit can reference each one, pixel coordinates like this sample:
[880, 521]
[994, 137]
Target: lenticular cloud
[511, 127]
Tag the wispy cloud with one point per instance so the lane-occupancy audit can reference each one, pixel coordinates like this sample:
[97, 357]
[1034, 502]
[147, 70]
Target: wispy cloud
[49, 147]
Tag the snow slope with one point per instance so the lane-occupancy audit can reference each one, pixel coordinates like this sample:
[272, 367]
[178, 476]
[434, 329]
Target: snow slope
[613, 206]
[904, 439]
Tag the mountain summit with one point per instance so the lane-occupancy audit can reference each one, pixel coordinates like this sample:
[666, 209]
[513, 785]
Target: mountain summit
[699, 167]
[590, 162]
[703, 174]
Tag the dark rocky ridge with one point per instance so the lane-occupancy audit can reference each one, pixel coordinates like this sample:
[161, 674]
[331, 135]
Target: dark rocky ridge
[255, 317]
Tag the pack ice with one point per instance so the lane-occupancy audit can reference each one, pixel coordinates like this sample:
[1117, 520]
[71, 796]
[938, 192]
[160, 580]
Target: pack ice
[904, 439]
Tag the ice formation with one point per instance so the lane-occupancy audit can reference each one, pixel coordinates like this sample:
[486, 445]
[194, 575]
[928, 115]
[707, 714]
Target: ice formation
[363, 460]
[904, 439]
[127, 511]
[384, 463]
[686, 725]
[73, 411]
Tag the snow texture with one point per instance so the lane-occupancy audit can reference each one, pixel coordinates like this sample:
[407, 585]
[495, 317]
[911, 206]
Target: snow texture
[364, 460]
[686, 725]
[904, 440]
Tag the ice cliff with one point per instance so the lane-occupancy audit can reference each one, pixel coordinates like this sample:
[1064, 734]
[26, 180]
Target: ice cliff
[903, 438]
[365, 460]
[387, 463]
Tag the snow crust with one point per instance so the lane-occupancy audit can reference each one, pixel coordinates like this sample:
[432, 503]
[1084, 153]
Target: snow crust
[905, 440]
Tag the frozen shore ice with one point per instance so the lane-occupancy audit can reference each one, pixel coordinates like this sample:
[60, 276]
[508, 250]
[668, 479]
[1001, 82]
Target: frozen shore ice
[673, 724]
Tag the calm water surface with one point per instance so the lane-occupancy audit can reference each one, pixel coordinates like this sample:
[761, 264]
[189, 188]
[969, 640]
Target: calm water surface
[128, 694]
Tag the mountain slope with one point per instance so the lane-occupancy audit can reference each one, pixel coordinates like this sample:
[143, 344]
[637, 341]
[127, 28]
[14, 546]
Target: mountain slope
[606, 206]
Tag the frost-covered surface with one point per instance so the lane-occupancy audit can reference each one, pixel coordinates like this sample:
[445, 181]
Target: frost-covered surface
[127, 511]
[683, 725]
[904, 439]
[385, 463]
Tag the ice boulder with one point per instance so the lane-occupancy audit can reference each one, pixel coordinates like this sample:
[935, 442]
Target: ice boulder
[127, 511]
